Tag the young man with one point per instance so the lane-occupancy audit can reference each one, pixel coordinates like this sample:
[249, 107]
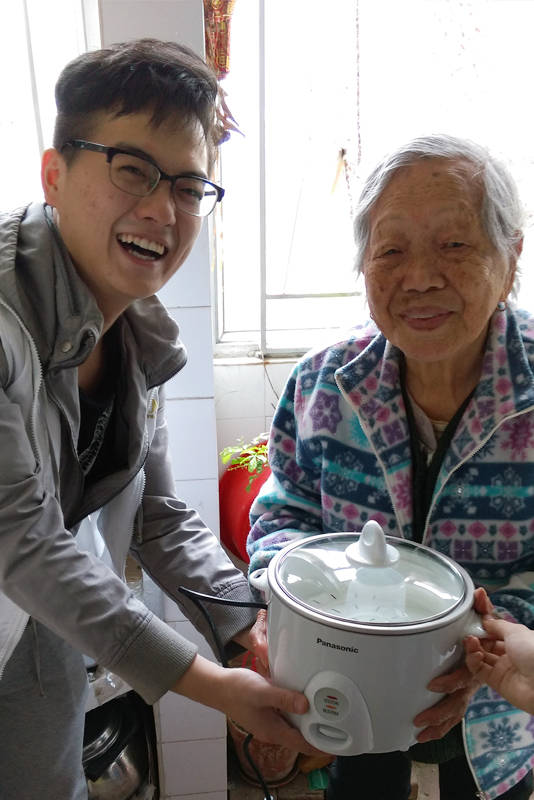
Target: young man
[85, 348]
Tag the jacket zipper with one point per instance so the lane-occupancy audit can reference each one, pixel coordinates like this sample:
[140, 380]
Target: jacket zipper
[118, 491]
[382, 465]
[463, 461]
[481, 795]
[136, 533]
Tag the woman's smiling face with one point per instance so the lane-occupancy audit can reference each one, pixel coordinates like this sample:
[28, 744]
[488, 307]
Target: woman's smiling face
[125, 247]
[433, 277]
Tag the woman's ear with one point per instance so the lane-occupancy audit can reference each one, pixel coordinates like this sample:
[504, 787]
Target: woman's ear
[52, 168]
[518, 247]
[512, 264]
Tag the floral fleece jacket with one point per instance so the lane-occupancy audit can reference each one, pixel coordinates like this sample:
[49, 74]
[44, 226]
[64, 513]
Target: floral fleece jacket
[340, 455]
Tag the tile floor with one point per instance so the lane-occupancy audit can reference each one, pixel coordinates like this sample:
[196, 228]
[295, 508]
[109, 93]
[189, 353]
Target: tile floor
[239, 789]
[424, 786]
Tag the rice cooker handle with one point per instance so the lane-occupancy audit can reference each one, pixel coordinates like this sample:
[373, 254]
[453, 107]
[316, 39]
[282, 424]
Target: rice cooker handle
[473, 625]
[258, 580]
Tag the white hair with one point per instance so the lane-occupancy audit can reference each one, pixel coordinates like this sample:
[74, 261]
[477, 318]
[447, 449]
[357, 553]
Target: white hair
[502, 212]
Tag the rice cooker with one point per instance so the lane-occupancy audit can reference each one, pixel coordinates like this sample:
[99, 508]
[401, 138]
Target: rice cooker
[361, 623]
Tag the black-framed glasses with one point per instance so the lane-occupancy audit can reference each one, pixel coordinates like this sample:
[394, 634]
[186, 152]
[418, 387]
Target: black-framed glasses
[138, 175]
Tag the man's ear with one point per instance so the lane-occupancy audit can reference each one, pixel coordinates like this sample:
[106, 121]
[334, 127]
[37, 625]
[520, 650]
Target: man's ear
[53, 168]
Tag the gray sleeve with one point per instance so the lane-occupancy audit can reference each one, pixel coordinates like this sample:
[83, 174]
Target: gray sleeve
[177, 549]
[155, 659]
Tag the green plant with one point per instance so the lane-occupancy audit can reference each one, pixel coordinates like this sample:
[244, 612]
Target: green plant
[251, 456]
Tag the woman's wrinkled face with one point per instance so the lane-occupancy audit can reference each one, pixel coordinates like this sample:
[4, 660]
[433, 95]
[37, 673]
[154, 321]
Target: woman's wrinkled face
[432, 276]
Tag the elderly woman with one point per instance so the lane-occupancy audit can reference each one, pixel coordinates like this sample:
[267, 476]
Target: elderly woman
[424, 421]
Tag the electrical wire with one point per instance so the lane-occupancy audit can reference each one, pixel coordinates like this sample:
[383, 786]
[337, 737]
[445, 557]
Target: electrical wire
[197, 598]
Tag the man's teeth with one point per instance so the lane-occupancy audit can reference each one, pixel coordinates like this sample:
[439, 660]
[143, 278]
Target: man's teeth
[144, 244]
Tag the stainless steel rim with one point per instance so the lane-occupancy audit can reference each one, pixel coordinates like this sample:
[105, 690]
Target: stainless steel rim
[386, 628]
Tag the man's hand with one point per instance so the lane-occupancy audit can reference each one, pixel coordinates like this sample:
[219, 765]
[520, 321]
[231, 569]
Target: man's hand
[248, 699]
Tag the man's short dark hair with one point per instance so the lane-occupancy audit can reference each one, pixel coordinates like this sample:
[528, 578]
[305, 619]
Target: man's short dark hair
[164, 78]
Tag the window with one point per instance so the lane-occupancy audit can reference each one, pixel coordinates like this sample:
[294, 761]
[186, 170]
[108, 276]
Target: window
[321, 93]
[36, 40]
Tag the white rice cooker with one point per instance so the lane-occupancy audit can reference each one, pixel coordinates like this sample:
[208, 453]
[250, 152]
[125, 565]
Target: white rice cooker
[361, 623]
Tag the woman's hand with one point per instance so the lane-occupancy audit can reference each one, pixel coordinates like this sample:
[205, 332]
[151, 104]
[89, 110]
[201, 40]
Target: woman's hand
[249, 699]
[505, 662]
[255, 640]
[458, 686]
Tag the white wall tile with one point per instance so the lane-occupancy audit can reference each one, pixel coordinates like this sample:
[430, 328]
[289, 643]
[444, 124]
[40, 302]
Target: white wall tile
[184, 720]
[194, 767]
[239, 390]
[187, 629]
[192, 439]
[179, 719]
[196, 378]
[203, 496]
[177, 20]
[171, 611]
[191, 286]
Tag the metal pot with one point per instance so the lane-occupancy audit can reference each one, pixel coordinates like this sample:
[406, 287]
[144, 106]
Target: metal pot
[361, 623]
[115, 751]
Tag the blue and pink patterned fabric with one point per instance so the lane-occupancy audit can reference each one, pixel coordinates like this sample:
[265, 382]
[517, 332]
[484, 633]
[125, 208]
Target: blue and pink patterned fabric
[340, 454]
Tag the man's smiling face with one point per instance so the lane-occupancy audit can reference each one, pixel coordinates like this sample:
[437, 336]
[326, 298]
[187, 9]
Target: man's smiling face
[125, 247]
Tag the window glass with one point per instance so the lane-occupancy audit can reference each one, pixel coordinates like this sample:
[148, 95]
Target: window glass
[37, 39]
[309, 82]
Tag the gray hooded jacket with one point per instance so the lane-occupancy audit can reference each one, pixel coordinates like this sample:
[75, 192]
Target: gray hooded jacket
[49, 322]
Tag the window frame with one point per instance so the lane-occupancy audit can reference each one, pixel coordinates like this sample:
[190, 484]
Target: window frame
[253, 343]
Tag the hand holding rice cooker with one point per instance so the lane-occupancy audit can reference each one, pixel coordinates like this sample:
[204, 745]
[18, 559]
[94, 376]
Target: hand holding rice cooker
[361, 623]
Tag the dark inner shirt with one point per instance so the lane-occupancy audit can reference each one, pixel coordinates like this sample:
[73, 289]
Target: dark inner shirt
[424, 474]
[98, 419]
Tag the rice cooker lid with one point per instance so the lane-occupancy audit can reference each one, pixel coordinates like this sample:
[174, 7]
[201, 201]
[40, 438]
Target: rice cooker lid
[370, 578]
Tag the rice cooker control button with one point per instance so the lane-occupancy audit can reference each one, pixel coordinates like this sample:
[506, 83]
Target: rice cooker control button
[332, 733]
[338, 719]
[331, 703]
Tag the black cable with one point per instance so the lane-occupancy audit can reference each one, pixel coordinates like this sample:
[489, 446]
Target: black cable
[197, 597]
[246, 744]
[222, 600]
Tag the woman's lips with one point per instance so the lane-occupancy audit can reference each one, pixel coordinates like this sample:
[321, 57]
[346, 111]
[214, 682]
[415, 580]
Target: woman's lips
[426, 319]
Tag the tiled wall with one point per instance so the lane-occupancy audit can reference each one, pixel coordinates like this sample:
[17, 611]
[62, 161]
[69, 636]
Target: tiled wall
[191, 737]
[246, 394]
